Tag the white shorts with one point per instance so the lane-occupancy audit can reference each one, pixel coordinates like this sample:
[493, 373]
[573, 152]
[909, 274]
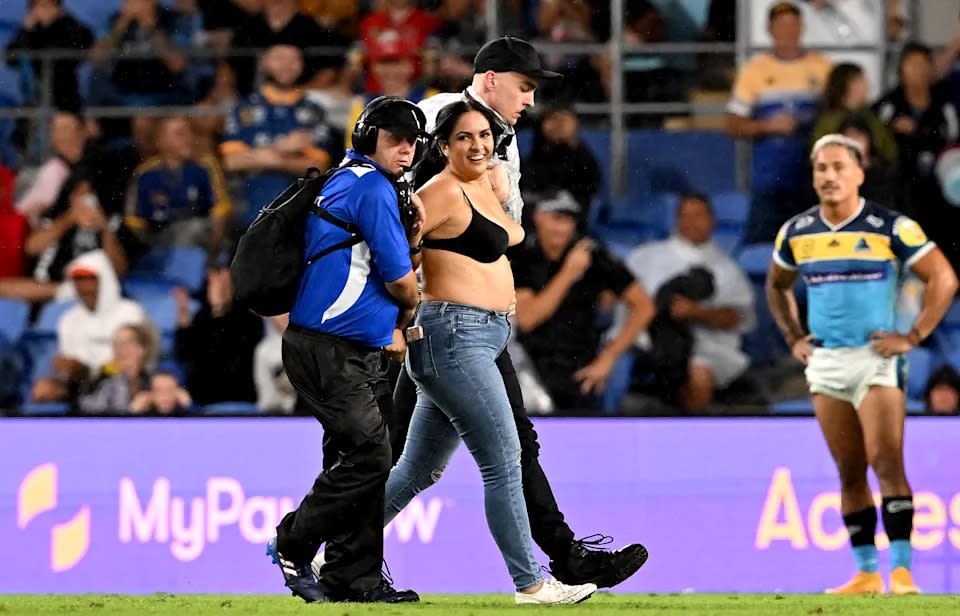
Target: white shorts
[847, 373]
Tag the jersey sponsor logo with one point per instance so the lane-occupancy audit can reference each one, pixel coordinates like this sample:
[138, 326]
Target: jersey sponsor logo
[874, 221]
[910, 233]
[816, 279]
[862, 246]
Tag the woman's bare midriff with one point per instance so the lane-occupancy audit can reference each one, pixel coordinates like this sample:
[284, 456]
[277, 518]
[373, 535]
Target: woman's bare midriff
[451, 277]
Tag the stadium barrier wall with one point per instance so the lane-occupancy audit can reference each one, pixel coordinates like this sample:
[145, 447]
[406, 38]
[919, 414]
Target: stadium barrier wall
[187, 505]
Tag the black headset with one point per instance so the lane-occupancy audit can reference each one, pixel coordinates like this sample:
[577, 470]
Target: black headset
[365, 132]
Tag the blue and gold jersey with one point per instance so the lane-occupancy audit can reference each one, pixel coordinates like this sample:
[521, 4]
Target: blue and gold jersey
[851, 270]
[767, 86]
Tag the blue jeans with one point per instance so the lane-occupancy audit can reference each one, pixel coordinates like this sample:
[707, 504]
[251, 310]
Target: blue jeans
[461, 395]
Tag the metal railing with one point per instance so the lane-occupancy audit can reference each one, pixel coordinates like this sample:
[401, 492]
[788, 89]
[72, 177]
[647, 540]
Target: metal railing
[617, 110]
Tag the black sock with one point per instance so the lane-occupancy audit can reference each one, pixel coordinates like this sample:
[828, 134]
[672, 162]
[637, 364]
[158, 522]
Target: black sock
[898, 517]
[862, 526]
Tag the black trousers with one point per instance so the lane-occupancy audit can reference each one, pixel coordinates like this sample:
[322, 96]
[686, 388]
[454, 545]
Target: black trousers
[344, 385]
[549, 530]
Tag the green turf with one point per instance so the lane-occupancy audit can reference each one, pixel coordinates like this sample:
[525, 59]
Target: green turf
[478, 605]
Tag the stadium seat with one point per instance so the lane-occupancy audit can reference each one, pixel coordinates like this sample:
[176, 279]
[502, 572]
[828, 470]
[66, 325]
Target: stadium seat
[644, 210]
[727, 240]
[180, 266]
[162, 310]
[14, 315]
[231, 408]
[920, 365]
[44, 408]
[915, 406]
[802, 406]
[755, 259]
[49, 317]
[730, 208]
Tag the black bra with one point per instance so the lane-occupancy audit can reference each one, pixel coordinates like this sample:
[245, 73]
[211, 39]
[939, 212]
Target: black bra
[483, 240]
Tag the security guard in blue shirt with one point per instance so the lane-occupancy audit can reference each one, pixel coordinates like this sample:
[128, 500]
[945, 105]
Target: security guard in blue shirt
[343, 326]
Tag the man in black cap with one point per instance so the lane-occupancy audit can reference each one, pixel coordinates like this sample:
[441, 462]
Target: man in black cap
[344, 324]
[507, 71]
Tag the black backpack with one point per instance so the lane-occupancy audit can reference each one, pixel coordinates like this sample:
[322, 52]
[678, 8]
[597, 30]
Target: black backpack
[266, 270]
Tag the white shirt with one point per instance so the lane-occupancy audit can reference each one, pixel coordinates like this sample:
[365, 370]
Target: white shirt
[656, 263]
[432, 106]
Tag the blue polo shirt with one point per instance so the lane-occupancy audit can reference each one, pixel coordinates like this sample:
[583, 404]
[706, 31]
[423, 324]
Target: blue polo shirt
[344, 292]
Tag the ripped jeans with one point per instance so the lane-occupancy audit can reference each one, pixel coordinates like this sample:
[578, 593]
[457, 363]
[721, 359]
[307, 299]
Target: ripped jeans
[461, 395]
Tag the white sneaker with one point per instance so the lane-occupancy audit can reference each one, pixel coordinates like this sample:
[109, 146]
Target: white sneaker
[317, 562]
[556, 593]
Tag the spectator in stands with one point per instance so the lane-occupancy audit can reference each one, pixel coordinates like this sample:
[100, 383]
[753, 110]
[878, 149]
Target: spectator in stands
[126, 376]
[393, 68]
[646, 78]
[570, 21]
[165, 396]
[716, 69]
[923, 118]
[75, 225]
[281, 23]
[464, 21]
[13, 230]
[942, 395]
[559, 276]
[47, 26]
[774, 104]
[208, 128]
[274, 391]
[143, 26]
[716, 320]
[177, 199]
[217, 344]
[881, 182]
[276, 134]
[68, 137]
[221, 18]
[558, 160]
[846, 97]
[400, 23]
[85, 333]
[341, 17]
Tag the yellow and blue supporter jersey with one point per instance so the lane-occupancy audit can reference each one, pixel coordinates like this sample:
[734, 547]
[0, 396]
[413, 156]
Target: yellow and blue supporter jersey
[767, 86]
[851, 270]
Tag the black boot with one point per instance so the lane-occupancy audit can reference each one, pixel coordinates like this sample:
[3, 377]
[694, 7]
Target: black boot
[588, 562]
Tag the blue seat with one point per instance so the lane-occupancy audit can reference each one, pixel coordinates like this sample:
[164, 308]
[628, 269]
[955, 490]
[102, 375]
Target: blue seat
[920, 365]
[44, 408]
[730, 208]
[14, 315]
[162, 310]
[915, 406]
[727, 239]
[649, 212]
[618, 384]
[755, 260]
[231, 408]
[180, 266]
[49, 318]
[802, 406]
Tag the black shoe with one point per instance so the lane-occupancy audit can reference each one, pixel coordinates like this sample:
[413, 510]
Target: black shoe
[587, 562]
[299, 580]
[383, 593]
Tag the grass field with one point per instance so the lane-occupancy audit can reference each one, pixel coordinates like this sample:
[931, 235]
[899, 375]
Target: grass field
[478, 605]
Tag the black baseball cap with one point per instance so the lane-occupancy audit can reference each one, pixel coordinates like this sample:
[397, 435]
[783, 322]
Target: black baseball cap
[510, 54]
[397, 115]
[781, 8]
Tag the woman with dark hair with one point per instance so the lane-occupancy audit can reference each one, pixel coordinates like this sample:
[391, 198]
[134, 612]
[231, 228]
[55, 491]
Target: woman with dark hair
[845, 97]
[922, 116]
[460, 328]
[880, 176]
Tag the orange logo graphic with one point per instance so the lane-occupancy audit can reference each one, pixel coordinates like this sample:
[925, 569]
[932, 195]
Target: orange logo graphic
[38, 494]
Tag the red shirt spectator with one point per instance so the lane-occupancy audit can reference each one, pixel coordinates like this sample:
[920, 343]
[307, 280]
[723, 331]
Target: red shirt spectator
[398, 24]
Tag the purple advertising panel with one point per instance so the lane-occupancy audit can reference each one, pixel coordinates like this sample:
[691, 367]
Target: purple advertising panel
[187, 505]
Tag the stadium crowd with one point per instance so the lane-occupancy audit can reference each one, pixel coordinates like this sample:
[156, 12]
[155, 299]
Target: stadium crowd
[116, 234]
